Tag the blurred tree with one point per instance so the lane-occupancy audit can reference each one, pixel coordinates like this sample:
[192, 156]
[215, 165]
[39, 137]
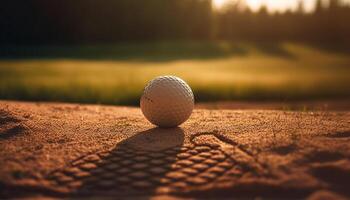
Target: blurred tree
[300, 9]
[319, 7]
[106, 21]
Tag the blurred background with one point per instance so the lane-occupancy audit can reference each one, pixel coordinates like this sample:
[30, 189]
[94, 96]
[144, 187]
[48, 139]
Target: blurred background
[231, 52]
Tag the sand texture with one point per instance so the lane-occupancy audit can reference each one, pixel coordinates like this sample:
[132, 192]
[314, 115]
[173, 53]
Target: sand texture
[76, 151]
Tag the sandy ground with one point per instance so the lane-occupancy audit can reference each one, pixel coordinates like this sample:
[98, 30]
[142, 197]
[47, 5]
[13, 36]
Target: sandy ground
[70, 150]
[313, 105]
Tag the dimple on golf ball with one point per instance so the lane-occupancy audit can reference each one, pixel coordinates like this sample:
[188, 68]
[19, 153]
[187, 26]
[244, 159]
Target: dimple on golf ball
[167, 101]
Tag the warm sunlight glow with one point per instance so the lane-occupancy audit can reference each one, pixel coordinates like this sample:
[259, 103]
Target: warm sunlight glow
[273, 5]
[219, 3]
[277, 5]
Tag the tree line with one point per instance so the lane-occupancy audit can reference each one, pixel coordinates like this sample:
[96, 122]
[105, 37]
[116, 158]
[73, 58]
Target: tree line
[108, 21]
[327, 23]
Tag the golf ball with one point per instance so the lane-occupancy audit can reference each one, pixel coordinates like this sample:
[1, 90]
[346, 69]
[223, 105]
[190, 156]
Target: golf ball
[167, 101]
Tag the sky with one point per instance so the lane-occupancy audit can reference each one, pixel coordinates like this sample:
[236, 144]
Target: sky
[274, 5]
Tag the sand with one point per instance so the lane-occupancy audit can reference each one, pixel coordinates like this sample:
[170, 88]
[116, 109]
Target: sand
[70, 150]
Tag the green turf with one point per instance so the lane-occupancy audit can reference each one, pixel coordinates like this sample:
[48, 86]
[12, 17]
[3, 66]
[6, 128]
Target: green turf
[217, 71]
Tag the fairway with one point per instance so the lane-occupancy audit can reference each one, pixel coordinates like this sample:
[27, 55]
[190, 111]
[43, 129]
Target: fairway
[293, 72]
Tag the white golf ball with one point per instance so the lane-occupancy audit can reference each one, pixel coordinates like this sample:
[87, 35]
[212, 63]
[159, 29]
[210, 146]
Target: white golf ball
[167, 101]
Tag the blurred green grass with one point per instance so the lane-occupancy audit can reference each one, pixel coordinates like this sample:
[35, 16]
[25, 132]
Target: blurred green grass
[215, 71]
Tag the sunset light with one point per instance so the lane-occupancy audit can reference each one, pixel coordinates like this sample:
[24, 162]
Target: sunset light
[219, 3]
[173, 99]
[272, 5]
